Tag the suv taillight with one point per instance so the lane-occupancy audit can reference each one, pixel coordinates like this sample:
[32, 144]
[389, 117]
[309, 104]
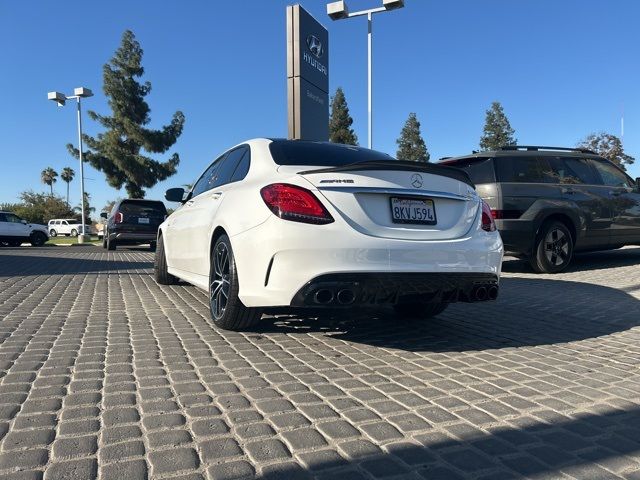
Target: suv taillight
[118, 217]
[488, 225]
[294, 203]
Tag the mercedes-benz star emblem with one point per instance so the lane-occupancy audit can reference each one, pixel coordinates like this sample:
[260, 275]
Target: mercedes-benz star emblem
[315, 46]
[416, 180]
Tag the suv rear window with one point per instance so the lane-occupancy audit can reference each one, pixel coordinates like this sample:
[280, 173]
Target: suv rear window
[143, 208]
[479, 169]
[300, 152]
[524, 170]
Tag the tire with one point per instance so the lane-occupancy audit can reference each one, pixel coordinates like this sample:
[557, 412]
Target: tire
[153, 246]
[160, 271]
[227, 311]
[111, 244]
[104, 242]
[74, 233]
[38, 239]
[53, 233]
[553, 249]
[419, 311]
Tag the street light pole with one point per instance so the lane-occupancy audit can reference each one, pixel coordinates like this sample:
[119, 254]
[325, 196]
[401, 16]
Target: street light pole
[81, 238]
[338, 11]
[369, 86]
[60, 99]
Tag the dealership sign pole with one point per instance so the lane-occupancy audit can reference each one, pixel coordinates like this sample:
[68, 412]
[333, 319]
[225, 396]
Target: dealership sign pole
[307, 76]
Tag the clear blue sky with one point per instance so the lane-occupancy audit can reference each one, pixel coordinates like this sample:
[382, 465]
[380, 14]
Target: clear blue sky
[561, 69]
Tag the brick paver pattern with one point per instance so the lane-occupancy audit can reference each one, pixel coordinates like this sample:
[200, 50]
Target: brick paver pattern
[105, 374]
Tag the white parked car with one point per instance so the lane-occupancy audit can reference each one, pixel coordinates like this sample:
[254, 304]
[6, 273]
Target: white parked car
[66, 226]
[14, 231]
[300, 224]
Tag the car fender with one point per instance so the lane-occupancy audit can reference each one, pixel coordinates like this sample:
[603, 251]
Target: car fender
[542, 209]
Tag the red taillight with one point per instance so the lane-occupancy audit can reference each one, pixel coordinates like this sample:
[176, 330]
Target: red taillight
[505, 214]
[295, 203]
[488, 225]
[118, 217]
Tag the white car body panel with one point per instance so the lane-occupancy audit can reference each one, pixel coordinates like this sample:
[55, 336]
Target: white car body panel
[361, 239]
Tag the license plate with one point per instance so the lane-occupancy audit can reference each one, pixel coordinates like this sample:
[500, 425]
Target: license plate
[143, 220]
[413, 210]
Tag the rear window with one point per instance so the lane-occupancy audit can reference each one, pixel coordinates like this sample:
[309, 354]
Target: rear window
[297, 152]
[143, 208]
[524, 170]
[480, 170]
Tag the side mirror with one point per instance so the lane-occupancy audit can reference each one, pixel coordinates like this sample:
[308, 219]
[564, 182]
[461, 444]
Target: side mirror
[174, 194]
[103, 215]
[24, 222]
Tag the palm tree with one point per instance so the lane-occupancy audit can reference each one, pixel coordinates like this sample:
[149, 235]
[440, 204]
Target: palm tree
[48, 177]
[67, 176]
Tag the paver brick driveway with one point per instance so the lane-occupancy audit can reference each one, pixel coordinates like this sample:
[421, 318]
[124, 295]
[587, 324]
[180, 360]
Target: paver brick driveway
[106, 374]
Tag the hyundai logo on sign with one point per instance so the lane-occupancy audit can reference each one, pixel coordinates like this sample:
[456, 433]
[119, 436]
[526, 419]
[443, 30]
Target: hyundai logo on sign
[416, 180]
[315, 46]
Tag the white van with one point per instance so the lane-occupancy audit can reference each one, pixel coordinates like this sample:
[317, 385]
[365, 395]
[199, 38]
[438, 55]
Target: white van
[64, 226]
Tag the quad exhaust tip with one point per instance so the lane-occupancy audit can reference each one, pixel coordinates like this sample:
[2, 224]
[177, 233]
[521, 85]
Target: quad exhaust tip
[492, 292]
[323, 296]
[481, 294]
[346, 297]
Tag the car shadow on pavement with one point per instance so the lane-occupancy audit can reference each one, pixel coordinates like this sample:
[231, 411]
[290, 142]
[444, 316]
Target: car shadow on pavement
[16, 265]
[529, 311]
[579, 445]
[582, 262]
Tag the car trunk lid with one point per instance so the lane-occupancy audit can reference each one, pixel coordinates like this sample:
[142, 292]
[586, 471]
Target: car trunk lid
[395, 199]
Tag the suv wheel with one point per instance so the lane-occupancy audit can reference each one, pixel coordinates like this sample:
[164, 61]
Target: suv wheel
[419, 311]
[160, 271]
[227, 311]
[111, 244]
[38, 239]
[53, 233]
[553, 250]
[74, 233]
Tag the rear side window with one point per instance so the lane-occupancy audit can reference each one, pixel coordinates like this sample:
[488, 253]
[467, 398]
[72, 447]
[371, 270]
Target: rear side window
[146, 208]
[480, 170]
[524, 170]
[229, 165]
[574, 171]
[611, 176]
[321, 154]
[243, 167]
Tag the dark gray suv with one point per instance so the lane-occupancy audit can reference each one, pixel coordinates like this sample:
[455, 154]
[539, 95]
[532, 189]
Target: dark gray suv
[549, 202]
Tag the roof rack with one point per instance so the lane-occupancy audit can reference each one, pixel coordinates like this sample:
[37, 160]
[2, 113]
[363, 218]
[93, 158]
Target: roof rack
[538, 147]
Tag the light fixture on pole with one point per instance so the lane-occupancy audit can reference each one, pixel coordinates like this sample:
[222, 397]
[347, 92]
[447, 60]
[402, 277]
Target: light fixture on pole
[339, 11]
[60, 99]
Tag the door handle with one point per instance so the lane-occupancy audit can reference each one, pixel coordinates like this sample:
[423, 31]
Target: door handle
[569, 191]
[615, 193]
[216, 195]
[189, 203]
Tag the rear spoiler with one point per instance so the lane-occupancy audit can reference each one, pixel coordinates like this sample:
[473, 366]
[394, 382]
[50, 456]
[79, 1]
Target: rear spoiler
[401, 165]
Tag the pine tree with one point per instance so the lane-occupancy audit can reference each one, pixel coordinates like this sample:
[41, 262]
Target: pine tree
[48, 177]
[497, 129]
[340, 122]
[118, 151]
[609, 146]
[411, 145]
[67, 176]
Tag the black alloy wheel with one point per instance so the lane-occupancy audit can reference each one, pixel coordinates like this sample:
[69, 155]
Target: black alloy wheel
[554, 248]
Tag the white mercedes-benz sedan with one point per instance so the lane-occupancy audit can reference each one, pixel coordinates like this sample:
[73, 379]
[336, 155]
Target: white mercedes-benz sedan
[294, 224]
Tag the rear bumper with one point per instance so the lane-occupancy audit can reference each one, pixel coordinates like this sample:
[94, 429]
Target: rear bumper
[380, 288]
[517, 235]
[133, 238]
[278, 259]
